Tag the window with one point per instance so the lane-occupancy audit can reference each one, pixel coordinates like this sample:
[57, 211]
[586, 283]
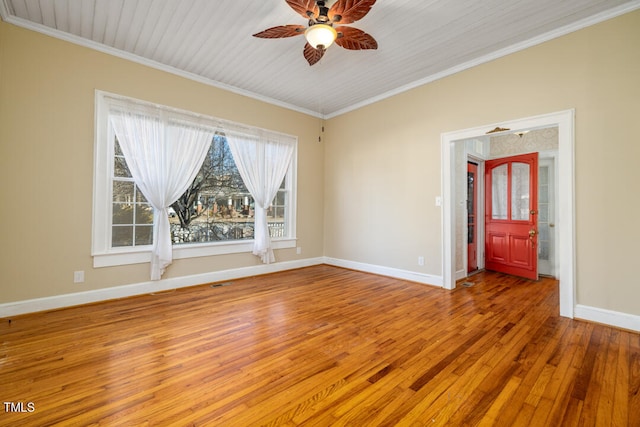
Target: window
[215, 215]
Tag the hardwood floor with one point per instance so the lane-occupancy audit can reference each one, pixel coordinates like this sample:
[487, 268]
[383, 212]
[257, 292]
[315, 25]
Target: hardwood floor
[321, 346]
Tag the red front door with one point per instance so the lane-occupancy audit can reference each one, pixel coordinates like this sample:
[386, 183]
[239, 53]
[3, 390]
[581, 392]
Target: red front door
[472, 216]
[510, 217]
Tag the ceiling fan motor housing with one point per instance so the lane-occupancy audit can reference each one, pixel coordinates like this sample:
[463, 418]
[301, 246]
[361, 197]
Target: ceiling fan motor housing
[323, 14]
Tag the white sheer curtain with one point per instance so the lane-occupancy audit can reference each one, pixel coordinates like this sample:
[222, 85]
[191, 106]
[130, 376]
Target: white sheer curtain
[262, 163]
[164, 157]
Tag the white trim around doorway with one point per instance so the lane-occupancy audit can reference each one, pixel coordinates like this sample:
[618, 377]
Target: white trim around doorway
[564, 120]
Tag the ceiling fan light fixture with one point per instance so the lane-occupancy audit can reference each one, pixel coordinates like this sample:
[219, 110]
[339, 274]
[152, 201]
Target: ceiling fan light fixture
[321, 36]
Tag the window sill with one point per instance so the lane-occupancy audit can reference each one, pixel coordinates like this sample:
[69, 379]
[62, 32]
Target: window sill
[143, 255]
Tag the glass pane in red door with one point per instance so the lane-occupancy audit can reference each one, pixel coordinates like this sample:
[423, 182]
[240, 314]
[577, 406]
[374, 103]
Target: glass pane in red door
[520, 191]
[499, 192]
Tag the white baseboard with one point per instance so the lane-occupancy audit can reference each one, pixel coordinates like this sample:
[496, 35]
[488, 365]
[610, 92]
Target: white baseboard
[593, 314]
[607, 317]
[78, 298]
[397, 273]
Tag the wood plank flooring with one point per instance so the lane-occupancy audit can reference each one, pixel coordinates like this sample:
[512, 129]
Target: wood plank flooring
[321, 346]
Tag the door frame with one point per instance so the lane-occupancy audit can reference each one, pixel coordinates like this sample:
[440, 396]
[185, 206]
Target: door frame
[565, 121]
[479, 220]
[478, 217]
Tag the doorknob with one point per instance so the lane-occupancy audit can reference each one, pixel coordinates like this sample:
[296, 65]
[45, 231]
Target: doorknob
[532, 233]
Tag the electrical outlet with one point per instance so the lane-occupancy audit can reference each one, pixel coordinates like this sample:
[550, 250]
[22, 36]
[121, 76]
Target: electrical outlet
[298, 250]
[420, 260]
[78, 276]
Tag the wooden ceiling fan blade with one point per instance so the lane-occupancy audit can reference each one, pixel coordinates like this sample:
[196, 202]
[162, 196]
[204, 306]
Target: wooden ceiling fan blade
[311, 54]
[355, 39]
[304, 7]
[281, 31]
[348, 11]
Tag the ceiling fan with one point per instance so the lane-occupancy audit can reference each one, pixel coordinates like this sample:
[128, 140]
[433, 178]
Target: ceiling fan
[321, 31]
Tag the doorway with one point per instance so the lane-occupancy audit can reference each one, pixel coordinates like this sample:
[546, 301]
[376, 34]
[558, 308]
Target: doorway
[472, 217]
[565, 208]
[474, 225]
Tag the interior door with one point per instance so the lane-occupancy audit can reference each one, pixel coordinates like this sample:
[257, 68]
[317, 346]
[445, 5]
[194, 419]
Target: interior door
[472, 217]
[510, 215]
[546, 217]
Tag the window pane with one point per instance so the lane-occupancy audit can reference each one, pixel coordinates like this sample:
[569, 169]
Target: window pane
[543, 212]
[543, 250]
[117, 149]
[140, 197]
[499, 192]
[217, 206]
[277, 229]
[543, 175]
[544, 233]
[144, 235]
[280, 198]
[122, 236]
[520, 191]
[120, 168]
[144, 214]
[123, 191]
[543, 194]
[122, 213]
[137, 216]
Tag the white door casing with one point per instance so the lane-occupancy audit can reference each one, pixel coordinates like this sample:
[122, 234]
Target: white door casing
[565, 209]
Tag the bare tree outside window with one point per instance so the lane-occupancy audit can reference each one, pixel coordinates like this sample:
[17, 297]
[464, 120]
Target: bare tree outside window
[216, 207]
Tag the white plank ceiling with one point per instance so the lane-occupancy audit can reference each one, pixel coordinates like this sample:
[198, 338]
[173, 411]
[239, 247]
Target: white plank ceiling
[211, 41]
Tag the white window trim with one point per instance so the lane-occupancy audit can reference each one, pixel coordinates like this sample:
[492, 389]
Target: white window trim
[102, 252]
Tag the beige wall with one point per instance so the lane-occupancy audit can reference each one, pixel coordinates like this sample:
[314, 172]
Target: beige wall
[382, 162]
[381, 170]
[46, 162]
